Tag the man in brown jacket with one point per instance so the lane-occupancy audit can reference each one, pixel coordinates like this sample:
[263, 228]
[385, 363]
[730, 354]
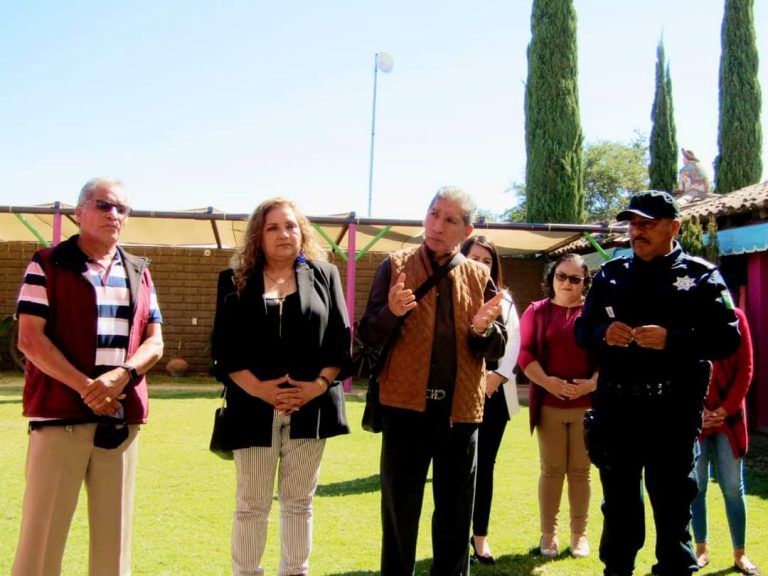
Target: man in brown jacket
[432, 385]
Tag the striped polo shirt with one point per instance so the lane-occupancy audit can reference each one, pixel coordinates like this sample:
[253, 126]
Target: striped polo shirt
[113, 300]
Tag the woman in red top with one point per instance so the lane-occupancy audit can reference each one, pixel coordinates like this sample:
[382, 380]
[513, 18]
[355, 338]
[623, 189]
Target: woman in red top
[724, 440]
[562, 380]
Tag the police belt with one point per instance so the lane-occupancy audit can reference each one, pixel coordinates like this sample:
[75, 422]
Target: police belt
[648, 389]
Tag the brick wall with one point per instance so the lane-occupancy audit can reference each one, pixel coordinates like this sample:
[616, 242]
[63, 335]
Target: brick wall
[185, 280]
[14, 257]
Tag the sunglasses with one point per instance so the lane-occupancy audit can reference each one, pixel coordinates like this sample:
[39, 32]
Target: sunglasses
[107, 206]
[561, 277]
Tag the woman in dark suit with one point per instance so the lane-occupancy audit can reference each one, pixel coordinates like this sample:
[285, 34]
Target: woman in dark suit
[281, 340]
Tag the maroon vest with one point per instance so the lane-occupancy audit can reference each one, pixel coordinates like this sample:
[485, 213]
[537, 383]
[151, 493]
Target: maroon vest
[71, 326]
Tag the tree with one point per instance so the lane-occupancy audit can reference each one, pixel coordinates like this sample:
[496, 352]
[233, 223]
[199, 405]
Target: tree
[712, 246]
[519, 210]
[612, 172]
[692, 236]
[739, 139]
[662, 169]
[553, 136]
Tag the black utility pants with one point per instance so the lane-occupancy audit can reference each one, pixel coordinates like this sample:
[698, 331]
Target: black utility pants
[652, 438]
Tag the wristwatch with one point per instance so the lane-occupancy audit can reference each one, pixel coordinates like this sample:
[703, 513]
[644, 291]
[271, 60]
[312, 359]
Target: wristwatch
[132, 372]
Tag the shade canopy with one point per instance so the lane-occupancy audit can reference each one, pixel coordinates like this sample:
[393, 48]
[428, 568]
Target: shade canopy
[210, 228]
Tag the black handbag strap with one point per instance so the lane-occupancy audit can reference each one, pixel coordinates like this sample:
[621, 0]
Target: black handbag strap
[420, 292]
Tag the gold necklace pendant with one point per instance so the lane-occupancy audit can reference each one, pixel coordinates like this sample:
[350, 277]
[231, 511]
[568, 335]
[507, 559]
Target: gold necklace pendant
[279, 281]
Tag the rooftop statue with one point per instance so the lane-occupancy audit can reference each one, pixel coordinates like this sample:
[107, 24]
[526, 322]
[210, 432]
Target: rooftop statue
[693, 180]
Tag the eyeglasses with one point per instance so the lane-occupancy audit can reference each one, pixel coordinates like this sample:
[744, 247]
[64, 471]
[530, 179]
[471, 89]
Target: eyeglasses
[562, 277]
[106, 206]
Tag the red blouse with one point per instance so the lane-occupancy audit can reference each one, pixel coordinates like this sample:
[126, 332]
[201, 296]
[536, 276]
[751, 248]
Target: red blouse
[552, 326]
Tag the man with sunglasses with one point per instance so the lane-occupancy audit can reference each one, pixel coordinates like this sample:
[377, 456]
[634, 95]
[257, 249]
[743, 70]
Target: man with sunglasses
[89, 325]
[654, 320]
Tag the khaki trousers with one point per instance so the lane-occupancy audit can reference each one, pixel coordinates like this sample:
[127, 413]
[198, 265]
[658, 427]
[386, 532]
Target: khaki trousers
[562, 453]
[59, 460]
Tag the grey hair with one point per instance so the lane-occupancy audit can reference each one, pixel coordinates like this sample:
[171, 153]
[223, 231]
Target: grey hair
[87, 191]
[464, 200]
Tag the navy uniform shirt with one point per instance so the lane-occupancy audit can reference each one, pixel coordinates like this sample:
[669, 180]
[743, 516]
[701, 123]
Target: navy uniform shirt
[684, 294]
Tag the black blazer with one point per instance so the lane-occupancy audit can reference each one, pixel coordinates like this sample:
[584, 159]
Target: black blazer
[325, 338]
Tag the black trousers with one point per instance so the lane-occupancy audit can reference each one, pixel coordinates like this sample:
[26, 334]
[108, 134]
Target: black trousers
[651, 439]
[410, 442]
[495, 418]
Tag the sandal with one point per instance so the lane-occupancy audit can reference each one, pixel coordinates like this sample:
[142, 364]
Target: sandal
[746, 567]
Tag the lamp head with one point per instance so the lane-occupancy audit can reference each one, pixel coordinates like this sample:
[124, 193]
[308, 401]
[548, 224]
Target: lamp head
[384, 62]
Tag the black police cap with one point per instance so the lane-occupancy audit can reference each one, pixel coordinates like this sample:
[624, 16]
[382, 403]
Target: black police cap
[651, 204]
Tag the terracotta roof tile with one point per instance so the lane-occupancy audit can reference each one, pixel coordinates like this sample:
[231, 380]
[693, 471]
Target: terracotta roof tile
[751, 198]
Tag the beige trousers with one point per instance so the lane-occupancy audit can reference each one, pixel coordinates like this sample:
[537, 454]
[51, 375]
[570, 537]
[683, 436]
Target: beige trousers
[59, 460]
[563, 454]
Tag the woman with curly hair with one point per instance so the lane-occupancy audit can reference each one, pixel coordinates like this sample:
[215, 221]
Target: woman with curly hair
[562, 381]
[281, 343]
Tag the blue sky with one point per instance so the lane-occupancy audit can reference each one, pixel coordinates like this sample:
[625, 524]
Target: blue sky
[196, 103]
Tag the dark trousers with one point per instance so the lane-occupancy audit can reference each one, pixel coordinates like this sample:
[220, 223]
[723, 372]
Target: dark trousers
[410, 441]
[656, 440]
[495, 417]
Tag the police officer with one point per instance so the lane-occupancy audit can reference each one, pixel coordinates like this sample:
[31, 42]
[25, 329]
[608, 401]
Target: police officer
[654, 320]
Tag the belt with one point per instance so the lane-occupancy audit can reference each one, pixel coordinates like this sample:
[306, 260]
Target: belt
[37, 424]
[436, 394]
[657, 389]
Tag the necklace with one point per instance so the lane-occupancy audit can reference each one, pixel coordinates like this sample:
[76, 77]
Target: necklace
[278, 283]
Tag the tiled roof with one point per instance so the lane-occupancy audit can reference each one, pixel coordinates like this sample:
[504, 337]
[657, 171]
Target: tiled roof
[751, 198]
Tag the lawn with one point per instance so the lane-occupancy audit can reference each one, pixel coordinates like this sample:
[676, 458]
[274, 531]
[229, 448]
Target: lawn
[185, 499]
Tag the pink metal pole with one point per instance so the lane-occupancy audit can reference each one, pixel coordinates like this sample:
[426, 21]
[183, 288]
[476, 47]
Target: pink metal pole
[56, 223]
[351, 281]
[757, 313]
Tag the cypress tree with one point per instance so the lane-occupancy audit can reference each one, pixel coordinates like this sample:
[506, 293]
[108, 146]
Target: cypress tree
[553, 137]
[662, 170]
[739, 139]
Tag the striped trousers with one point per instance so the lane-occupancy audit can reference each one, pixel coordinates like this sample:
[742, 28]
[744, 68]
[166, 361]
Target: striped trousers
[297, 464]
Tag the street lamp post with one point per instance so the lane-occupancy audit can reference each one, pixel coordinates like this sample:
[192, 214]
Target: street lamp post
[382, 61]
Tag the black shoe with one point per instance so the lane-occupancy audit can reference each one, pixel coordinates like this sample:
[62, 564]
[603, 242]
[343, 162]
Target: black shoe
[476, 556]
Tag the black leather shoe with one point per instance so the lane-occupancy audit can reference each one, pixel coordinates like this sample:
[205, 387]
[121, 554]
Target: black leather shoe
[477, 557]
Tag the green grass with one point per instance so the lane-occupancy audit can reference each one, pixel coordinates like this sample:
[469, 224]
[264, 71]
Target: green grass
[185, 500]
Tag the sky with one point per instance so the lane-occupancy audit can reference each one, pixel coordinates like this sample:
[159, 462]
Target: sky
[196, 103]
